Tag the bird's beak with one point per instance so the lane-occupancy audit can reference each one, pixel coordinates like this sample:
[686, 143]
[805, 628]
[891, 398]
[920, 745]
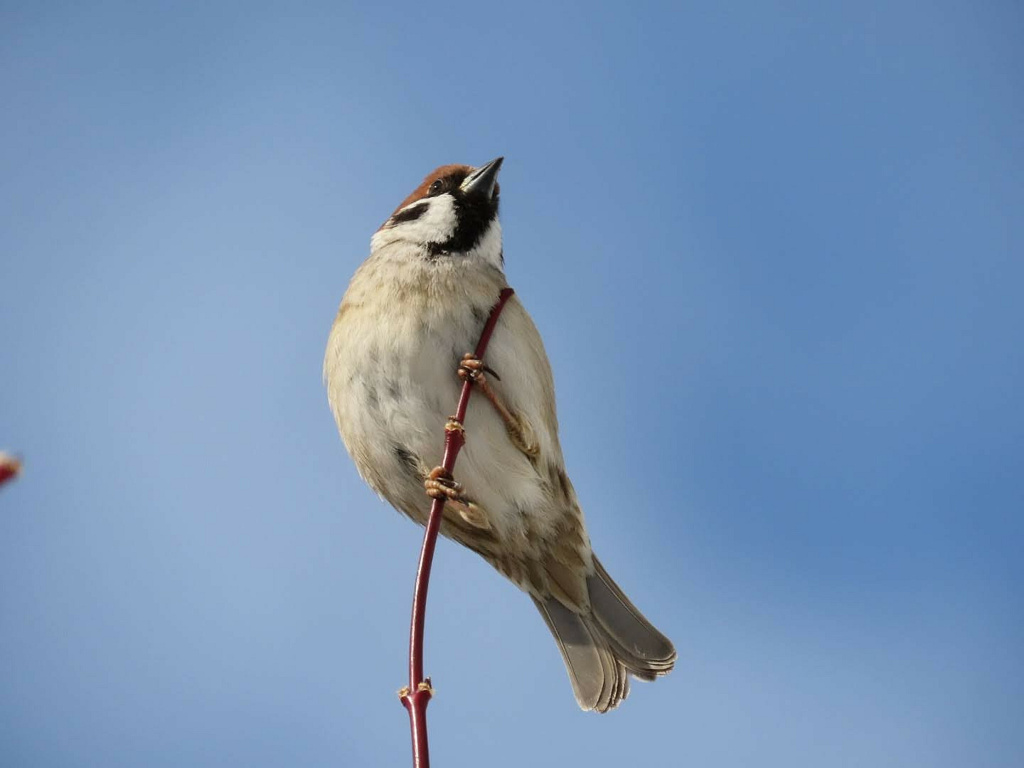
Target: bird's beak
[482, 180]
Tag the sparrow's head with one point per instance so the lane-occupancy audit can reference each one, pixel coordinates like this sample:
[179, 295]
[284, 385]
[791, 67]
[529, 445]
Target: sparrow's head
[453, 213]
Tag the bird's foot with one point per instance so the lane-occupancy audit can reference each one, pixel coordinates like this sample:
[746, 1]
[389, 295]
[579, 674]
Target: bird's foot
[439, 484]
[472, 368]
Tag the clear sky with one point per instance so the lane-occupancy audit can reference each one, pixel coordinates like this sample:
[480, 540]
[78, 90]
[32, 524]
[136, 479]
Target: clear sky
[777, 254]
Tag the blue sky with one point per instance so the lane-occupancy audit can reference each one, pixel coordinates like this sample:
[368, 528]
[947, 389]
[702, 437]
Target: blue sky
[775, 250]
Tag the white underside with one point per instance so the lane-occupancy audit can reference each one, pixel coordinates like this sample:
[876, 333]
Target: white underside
[390, 371]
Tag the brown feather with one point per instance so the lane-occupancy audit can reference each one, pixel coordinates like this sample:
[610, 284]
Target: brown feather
[442, 172]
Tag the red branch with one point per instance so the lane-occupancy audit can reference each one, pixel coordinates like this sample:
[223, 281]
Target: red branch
[10, 467]
[416, 697]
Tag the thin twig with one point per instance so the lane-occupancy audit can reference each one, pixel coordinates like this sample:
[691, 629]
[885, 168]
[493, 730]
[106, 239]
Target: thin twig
[416, 697]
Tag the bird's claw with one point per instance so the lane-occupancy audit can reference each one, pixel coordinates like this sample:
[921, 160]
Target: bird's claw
[472, 368]
[439, 484]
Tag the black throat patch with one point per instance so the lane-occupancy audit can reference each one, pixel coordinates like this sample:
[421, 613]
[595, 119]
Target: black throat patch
[473, 216]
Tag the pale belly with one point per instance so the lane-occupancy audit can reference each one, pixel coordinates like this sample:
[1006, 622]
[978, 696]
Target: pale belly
[392, 394]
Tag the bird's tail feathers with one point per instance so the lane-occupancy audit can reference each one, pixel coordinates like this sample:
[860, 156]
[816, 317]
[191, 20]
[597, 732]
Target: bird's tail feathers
[601, 647]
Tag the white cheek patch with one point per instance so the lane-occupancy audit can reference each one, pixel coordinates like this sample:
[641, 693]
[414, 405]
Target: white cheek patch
[489, 247]
[435, 225]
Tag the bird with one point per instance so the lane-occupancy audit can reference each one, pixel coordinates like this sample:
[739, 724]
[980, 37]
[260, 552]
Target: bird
[395, 362]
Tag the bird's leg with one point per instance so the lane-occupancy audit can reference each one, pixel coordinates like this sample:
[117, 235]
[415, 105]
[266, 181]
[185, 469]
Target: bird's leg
[472, 368]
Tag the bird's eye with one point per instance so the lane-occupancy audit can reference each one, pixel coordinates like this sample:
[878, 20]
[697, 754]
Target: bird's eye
[436, 187]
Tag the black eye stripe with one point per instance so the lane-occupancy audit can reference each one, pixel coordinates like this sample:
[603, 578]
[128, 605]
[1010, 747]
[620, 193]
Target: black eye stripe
[410, 214]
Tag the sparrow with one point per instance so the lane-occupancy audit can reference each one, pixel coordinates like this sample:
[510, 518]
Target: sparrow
[395, 362]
